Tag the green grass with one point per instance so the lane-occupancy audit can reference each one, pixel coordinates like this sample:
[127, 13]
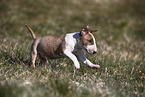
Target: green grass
[120, 41]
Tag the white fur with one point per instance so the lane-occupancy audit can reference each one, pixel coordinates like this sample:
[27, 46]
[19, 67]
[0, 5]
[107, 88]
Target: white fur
[74, 49]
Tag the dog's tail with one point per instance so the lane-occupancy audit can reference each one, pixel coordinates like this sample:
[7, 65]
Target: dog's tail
[31, 31]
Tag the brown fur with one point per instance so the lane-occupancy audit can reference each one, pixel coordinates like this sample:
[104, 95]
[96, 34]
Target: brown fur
[87, 39]
[31, 31]
[85, 36]
[51, 45]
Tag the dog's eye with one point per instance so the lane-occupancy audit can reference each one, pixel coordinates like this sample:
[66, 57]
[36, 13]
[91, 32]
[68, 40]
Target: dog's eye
[90, 41]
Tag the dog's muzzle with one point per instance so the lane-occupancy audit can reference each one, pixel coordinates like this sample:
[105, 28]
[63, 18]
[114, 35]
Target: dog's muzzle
[92, 49]
[94, 52]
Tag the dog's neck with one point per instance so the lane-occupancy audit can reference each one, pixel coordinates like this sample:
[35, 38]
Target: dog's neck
[79, 43]
[73, 41]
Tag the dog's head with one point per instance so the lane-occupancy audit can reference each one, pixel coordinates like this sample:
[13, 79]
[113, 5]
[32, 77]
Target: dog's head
[88, 40]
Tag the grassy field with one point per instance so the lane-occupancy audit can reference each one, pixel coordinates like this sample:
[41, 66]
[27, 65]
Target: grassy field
[120, 40]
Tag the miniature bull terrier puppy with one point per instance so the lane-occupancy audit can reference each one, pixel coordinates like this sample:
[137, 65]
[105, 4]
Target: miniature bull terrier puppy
[70, 45]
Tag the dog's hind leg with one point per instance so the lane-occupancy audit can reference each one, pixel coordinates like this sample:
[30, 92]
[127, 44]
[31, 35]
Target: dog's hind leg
[33, 58]
[33, 53]
[42, 59]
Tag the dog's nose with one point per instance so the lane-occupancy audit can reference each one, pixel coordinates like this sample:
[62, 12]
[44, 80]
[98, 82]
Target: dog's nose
[94, 52]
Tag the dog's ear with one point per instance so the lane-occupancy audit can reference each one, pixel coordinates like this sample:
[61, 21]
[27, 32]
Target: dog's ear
[84, 31]
[93, 31]
[86, 27]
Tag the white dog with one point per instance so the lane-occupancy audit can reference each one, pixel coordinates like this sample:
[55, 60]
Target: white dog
[69, 45]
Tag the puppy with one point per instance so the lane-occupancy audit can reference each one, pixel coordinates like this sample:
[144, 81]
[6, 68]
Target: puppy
[70, 45]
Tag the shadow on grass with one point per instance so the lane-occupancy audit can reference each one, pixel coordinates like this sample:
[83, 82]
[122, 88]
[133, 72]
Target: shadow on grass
[15, 57]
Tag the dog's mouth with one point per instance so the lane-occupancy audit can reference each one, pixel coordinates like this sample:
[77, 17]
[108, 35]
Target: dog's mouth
[90, 51]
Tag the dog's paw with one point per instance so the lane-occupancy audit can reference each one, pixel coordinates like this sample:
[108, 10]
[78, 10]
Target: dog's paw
[77, 66]
[96, 66]
[32, 66]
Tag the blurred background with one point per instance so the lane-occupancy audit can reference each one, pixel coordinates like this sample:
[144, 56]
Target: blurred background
[120, 23]
[113, 18]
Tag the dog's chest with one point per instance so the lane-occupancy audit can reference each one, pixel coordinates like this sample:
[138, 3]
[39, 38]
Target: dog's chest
[72, 43]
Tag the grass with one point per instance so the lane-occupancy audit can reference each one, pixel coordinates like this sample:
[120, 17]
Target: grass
[120, 41]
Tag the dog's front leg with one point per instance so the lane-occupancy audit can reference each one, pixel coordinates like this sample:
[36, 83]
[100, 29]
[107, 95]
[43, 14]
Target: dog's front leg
[73, 58]
[83, 59]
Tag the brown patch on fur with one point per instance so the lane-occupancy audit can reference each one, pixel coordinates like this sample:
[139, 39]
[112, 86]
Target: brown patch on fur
[51, 46]
[87, 39]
